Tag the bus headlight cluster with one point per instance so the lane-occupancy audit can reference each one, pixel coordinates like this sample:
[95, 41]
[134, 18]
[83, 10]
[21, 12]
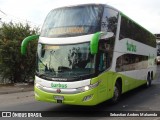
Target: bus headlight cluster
[88, 87]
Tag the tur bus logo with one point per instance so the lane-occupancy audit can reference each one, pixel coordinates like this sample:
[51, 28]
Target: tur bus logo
[131, 47]
[53, 85]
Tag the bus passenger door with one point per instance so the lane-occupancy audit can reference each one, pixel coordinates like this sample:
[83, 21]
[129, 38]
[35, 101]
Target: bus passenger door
[104, 60]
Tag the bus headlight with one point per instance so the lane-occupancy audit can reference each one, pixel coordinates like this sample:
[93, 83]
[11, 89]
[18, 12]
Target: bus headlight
[88, 87]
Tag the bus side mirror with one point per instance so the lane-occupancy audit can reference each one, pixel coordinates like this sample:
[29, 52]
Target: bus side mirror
[94, 43]
[26, 41]
[95, 40]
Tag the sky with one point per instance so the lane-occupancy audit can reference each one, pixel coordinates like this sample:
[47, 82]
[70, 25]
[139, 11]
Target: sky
[144, 12]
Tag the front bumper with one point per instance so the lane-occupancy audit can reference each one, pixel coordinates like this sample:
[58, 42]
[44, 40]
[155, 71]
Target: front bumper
[72, 99]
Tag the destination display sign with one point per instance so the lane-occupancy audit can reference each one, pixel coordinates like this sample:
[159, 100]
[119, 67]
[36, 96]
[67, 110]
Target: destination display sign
[67, 30]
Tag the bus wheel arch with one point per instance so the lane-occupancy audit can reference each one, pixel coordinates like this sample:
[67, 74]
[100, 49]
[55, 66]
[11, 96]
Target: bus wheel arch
[117, 91]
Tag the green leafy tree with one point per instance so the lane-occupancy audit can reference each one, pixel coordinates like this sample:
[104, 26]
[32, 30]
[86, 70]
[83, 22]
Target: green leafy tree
[13, 65]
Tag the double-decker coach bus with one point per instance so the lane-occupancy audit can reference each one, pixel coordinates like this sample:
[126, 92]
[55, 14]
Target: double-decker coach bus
[91, 53]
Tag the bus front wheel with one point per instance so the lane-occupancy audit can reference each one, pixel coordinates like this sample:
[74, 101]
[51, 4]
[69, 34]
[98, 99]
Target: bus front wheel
[116, 94]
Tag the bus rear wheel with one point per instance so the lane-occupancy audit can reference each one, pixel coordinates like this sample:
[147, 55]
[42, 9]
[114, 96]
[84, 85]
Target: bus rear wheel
[149, 81]
[116, 94]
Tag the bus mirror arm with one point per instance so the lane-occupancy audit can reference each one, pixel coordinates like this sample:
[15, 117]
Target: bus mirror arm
[26, 41]
[94, 42]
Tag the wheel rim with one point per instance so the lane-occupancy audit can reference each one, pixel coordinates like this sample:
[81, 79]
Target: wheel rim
[116, 94]
[147, 83]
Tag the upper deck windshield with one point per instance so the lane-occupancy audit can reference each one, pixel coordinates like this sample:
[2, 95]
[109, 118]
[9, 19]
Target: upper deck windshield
[72, 21]
[65, 61]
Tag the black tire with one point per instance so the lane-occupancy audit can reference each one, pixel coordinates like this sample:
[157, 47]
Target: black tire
[149, 82]
[116, 94]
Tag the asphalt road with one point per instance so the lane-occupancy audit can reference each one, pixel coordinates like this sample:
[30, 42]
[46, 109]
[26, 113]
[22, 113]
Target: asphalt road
[140, 99]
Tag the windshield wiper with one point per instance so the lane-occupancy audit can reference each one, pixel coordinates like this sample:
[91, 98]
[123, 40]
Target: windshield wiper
[63, 68]
[46, 74]
[76, 75]
[40, 74]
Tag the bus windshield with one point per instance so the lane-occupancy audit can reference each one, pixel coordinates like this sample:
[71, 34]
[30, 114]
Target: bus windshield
[65, 60]
[72, 21]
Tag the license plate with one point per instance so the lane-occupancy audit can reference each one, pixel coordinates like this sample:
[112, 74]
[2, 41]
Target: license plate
[59, 97]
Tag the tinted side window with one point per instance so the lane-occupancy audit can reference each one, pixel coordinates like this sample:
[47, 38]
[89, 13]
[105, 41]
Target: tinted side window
[109, 20]
[129, 62]
[133, 31]
[105, 53]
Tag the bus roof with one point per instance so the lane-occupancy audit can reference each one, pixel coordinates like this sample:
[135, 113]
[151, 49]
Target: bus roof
[104, 5]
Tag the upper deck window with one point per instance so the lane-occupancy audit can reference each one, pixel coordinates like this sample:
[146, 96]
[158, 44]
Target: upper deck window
[72, 21]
